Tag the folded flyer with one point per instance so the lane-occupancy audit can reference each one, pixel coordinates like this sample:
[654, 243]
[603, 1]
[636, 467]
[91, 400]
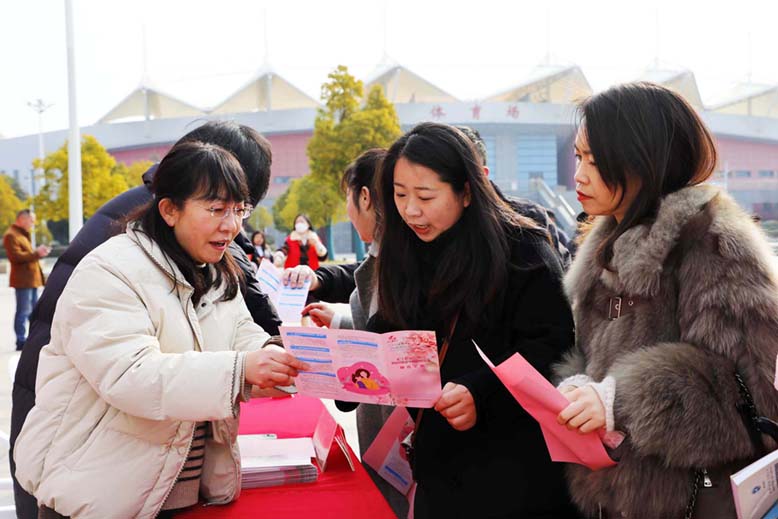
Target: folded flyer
[395, 368]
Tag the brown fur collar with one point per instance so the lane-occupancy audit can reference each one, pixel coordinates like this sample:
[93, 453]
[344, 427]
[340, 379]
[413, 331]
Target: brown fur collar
[641, 251]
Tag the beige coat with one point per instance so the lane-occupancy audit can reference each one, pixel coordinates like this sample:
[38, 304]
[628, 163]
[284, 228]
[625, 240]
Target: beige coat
[130, 368]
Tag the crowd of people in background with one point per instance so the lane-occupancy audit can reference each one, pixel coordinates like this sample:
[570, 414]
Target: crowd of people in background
[653, 321]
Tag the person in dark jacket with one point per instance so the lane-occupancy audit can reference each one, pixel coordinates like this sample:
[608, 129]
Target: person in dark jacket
[464, 264]
[253, 153]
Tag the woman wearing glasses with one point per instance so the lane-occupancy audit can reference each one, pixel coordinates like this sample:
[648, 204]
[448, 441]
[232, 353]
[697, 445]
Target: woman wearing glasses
[152, 348]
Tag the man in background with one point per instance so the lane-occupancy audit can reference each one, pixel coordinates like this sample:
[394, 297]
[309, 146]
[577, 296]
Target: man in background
[26, 272]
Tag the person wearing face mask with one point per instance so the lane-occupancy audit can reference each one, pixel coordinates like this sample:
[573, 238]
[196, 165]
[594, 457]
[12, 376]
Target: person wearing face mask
[675, 294]
[302, 246]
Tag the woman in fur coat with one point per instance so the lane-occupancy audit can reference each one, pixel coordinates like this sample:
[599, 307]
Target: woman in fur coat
[674, 291]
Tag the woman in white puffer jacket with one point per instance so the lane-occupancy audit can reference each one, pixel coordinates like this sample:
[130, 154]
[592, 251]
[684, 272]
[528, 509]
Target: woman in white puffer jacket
[152, 348]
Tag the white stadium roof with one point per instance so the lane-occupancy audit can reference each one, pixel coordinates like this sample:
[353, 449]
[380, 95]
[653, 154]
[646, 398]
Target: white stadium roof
[266, 91]
[548, 84]
[680, 81]
[750, 99]
[403, 86]
[146, 102]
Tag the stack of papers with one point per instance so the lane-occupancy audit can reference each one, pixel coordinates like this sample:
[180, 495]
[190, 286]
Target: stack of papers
[267, 462]
[755, 487]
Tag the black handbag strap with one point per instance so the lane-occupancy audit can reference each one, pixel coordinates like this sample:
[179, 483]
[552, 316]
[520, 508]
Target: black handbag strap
[756, 426]
[750, 416]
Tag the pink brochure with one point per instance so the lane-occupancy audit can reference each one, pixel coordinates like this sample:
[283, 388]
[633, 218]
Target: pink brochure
[386, 454]
[326, 433]
[395, 368]
[544, 403]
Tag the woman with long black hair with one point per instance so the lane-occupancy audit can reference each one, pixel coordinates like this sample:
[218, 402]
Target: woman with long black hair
[456, 259]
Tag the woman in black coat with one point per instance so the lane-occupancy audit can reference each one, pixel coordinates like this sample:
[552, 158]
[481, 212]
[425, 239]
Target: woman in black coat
[456, 259]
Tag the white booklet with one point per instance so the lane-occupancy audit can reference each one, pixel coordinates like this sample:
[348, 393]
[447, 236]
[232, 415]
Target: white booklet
[289, 302]
[755, 487]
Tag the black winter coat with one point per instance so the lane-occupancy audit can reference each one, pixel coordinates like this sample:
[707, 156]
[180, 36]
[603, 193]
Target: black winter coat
[104, 224]
[500, 467]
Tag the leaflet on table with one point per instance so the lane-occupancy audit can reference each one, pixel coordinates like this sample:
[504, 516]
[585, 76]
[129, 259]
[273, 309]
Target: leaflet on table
[387, 456]
[395, 368]
[289, 302]
[544, 402]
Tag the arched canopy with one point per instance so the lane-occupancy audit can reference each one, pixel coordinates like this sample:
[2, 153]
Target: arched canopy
[548, 84]
[148, 103]
[266, 91]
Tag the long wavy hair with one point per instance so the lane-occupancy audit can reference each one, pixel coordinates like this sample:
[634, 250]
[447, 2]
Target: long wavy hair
[474, 267]
[649, 132]
[194, 171]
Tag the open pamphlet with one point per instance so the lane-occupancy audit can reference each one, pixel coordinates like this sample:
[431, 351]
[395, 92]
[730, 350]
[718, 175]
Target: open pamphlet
[267, 461]
[755, 487]
[395, 368]
[544, 402]
[289, 302]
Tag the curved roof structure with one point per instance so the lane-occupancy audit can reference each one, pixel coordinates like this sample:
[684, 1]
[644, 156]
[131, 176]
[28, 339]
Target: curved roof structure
[148, 103]
[750, 99]
[680, 81]
[548, 84]
[266, 91]
[403, 86]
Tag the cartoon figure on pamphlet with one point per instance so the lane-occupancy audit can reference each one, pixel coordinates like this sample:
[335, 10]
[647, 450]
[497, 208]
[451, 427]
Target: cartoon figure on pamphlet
[363, 378]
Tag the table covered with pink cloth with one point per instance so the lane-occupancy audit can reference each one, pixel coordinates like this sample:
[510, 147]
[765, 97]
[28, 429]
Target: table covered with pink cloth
[338, 493]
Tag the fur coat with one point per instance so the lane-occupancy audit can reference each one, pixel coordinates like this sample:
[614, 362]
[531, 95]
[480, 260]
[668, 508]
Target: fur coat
[700, 302]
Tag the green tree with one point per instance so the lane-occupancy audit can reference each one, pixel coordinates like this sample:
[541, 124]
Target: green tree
[347, 125]
[100, 180]
[10, 204]
[260, 219]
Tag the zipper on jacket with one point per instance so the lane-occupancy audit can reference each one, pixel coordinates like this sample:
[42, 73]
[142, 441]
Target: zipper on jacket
[180, 470]
[706, 481]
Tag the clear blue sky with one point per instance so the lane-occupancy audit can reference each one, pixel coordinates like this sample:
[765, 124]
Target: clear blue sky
[201, 50]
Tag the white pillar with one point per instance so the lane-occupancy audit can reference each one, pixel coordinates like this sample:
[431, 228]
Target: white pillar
[75, 203]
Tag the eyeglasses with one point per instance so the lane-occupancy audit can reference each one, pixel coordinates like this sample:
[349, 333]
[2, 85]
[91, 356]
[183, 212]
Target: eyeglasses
[221, 213]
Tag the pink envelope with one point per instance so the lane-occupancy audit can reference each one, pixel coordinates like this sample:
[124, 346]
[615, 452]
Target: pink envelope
[544, 403]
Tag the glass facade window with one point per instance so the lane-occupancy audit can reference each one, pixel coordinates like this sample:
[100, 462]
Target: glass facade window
[536, 158]
[281, 180]
[766, 173]
[742, 173]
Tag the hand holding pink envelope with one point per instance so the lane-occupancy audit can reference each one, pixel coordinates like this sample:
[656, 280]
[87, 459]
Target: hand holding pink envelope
[544, 403]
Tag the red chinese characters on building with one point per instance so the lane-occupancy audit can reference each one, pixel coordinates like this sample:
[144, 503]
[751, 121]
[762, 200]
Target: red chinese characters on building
[513, 112]
[437, 112]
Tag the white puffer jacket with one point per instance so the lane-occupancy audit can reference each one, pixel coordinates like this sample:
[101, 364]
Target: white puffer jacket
[131, 367]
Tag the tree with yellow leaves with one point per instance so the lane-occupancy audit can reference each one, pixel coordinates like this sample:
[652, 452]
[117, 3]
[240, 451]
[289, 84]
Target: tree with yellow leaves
[101, 180]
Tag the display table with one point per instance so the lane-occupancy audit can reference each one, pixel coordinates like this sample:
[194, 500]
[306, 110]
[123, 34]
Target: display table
[338, 493]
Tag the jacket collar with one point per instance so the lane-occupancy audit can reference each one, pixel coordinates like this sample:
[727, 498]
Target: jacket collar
[640, 253]
[21, 230]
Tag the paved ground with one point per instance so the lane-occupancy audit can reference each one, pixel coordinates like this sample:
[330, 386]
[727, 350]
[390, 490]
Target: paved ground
[9, 357]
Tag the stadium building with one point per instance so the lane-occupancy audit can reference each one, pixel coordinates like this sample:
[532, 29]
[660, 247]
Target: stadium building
[529, 130]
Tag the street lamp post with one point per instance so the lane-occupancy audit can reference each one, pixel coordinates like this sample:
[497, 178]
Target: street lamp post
[39, 106]
[75, 203]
